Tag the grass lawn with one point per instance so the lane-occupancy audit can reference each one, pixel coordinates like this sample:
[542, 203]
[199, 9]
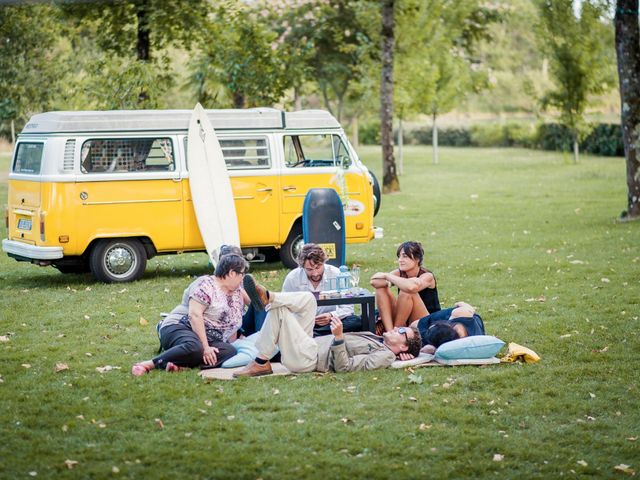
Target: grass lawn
[527, 237]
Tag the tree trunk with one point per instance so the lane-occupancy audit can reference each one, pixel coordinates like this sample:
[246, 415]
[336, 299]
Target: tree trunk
[297, 99]
[238, 100]
[400, 145]
[355, 135]
[390, 181]
[628, 53]
[143, 45]
[434, 139]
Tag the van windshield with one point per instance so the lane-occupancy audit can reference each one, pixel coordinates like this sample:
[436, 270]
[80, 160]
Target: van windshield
[28, 158]
[318, 150]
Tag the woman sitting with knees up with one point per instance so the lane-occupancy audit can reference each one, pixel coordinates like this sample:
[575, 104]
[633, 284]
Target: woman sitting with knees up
[417, 290]
[196, 333]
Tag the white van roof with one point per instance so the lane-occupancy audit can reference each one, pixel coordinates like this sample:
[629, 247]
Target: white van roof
[160, 120]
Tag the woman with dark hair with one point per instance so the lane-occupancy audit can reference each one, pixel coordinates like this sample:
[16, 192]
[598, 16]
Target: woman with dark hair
[417, 290]
[197, 332]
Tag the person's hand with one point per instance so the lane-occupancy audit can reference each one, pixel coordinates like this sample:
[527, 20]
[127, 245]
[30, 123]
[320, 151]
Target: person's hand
[336, 328]
[323, 319]
[210, 356]
[405, 356]
[430, 349]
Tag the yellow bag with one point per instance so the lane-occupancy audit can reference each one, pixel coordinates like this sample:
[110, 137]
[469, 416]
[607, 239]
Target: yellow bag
[518, 352]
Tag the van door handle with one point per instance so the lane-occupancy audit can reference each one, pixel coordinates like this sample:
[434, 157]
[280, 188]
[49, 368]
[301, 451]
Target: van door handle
[267, 189]
[289, 188]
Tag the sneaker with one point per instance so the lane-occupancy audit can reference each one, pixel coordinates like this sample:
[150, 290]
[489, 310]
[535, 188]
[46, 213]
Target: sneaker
[257, 293]
[254, 369]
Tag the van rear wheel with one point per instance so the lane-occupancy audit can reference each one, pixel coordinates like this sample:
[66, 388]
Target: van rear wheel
[118, 260]
[291, 248]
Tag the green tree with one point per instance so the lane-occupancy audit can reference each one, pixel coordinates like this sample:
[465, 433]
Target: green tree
[129, 31]
[29, 72]
[628, 54]
[253, 76]
[580, 49]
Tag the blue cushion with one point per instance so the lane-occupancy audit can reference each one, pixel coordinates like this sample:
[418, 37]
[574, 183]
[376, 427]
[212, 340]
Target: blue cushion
[477, 346]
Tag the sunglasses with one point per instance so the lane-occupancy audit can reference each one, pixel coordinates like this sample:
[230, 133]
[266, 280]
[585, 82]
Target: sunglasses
[403, 331]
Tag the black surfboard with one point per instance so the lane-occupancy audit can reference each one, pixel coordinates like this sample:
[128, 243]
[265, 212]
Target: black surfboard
[323, 223]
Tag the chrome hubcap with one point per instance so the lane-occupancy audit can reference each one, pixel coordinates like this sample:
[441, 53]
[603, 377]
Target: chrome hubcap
[119, 260]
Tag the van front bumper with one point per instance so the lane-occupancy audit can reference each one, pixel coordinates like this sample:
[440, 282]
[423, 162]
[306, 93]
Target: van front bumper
[31, 252]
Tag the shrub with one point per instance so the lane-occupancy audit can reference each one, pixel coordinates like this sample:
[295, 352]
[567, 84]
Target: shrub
[369, 133]
[554, 136]
[605, 139]
[451, 137]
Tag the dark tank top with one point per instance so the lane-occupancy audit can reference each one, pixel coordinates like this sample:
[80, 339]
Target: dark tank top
[429, 296]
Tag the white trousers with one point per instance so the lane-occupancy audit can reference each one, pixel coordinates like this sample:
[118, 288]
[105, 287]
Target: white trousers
[289, 326]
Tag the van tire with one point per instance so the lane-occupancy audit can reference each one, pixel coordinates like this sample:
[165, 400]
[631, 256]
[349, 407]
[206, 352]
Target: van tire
[118, 260]
[289, 251]
[377, 194]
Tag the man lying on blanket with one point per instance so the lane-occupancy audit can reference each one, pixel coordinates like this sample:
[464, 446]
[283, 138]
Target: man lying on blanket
[289, 326]
[447, 325]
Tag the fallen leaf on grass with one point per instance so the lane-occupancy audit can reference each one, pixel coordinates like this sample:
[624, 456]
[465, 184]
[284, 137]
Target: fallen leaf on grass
[159, 423]
[106, 368]
[143, 321]
[60, 367]
[497, 457]
[625, 469]
[70, 463]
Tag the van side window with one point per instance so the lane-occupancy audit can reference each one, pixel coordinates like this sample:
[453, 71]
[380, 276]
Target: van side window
[320, 150]
[243, 153]
[127, 155]
[28, 158]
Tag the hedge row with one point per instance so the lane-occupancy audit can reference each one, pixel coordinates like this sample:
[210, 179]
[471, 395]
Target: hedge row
[604, 139]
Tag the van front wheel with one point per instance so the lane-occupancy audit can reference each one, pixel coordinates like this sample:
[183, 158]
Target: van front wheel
[118, 260]
[291, 248]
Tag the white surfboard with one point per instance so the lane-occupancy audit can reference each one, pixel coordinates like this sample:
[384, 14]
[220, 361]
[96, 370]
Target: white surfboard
[210, 186]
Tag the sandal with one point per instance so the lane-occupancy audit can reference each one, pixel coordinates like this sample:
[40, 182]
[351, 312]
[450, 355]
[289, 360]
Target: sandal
[139, 370]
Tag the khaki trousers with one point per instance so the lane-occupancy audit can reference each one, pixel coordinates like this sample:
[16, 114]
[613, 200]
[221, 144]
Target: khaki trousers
[289, 326]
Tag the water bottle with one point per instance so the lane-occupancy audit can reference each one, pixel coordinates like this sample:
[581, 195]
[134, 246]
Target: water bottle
[343, 280]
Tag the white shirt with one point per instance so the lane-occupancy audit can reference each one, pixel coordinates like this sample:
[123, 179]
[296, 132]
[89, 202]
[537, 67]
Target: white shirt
[297, 281]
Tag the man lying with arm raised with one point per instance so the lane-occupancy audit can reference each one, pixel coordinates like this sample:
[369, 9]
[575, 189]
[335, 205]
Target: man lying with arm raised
[289, 326]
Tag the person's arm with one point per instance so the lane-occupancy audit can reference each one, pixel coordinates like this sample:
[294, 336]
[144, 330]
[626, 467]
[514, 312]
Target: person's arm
[196, 318]
[342, 362]
[411, 285]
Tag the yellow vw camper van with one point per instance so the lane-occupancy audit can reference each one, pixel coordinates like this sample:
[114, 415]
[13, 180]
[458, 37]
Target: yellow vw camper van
[105, 191]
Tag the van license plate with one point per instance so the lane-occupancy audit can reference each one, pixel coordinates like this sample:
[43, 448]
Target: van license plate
[24, 224]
